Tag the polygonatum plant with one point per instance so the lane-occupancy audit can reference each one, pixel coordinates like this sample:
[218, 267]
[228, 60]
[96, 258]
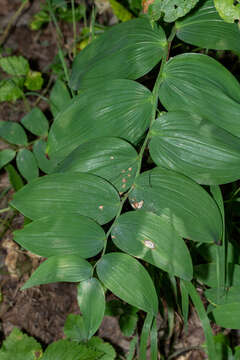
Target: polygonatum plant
[106, 220]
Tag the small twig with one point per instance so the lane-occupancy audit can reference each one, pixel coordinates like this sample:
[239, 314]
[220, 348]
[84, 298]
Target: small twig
[44, 92]
[4, 210]
[12, 21]
[182, 351]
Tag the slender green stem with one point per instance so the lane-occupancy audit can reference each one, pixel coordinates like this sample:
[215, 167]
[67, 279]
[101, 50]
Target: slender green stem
[74, 28]
[154, 110]
[32, 93]
[54, 19]
[92, 25]
[143, 148]
[59, 38]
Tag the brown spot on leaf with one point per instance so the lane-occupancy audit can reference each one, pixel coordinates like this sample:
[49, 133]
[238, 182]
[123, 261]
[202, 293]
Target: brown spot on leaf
[137, 205]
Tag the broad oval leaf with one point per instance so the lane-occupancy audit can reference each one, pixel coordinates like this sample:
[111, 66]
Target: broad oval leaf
[56, 235]
[229, 10]
[195, 147]
[111, 158]
[68, 193]
[184, 203]
[27, 164]
[199, 84]
[227, 315]
[129, 280]
[152, 238]
[128, 51]
[36, 122]
[95, 113]
[6, 155]
[59, 97]
[13, 133]
[70, 268]
[206, 29]
[91, 300]
[172, 9]
[44, 163]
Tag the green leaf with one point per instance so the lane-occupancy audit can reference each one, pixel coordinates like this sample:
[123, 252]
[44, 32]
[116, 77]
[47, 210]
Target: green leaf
[68, 193]
[19, 346]
[70, 268]
[34, 80]
[15, 65]
[36, 122]
[59, 97]
[39, 19]
[211, 350]
[56, 235]
[172, 9]
[206, 29]
[95, 113]
[228, 10]
[108, 352]
[6, 155]
[207, 274]
[128, 50]
[120, 11]
[208, 252]
[13, 133]
[223, 351]
[91, 300]
[183, 203]
[128, 323]
[128, 279]
[227, 296]
[195, 147]
[44, 163]
[74, 328]
[111, 158]
[67, 350]
[27, 164]
[10, 90]
[14, 178]
[197, 83]
[152, 238]
[227, 315]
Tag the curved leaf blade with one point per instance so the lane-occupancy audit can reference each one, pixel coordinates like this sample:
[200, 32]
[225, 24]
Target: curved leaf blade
[128, 51]
[111, 158]
[151, 238]
[27, 164]
[172, 9]
[56, 235]
[13, 133]
[229, 10]
[197, 83]
[195, 147]
[206, 29]
[70, 268]
[6, 155]
[128, 280]
[44, 163]
[181, 201]
[36, 122]
[91, 300]
[96, 113]
[59, 97]
[68, 193]
[227, 315]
